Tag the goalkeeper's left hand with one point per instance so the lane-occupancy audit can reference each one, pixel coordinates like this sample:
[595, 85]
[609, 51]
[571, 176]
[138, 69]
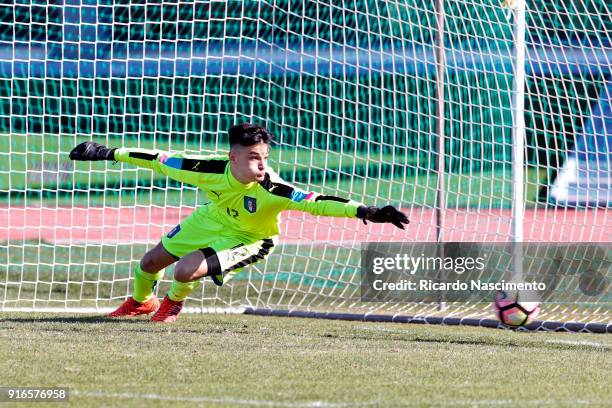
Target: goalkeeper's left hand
[384, 214]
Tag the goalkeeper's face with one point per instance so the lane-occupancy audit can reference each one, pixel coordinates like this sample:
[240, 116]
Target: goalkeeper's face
[249, 163]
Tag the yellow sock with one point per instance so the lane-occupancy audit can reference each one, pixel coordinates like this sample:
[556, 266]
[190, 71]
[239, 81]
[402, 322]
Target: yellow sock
[180, 290]
[144, 284]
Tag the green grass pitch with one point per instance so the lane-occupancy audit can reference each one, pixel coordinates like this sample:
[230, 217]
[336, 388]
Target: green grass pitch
[238, 360]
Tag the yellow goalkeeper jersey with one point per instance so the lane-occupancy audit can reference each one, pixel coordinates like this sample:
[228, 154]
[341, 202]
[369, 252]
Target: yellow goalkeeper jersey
[253, 208]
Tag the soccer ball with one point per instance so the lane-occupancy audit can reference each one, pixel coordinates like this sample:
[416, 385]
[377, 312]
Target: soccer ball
[512, 312]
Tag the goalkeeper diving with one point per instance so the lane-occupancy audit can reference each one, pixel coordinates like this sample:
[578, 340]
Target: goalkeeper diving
[238, 227]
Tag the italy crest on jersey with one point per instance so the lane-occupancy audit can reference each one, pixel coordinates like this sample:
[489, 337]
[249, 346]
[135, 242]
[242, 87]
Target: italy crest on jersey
[250, 204]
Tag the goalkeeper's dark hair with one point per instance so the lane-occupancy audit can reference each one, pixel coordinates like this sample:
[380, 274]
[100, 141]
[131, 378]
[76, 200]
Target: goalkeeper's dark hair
[249, 134]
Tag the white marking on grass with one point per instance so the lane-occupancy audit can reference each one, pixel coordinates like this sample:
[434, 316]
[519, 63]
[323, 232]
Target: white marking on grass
[324, 404]
[384, 329]
[551, 341]
[521, 402]
[210, 400]
[579, 343]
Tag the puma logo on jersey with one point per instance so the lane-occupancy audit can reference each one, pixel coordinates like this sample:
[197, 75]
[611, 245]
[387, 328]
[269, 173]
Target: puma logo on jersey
[215, 193]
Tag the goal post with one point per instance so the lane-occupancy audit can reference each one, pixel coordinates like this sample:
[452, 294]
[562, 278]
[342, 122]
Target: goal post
[518, 134]
[349, 91]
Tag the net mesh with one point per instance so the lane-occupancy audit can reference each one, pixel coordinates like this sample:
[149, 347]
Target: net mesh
[348, 88]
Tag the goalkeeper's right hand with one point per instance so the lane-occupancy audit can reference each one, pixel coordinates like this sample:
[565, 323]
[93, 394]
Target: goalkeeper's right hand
[92, 151]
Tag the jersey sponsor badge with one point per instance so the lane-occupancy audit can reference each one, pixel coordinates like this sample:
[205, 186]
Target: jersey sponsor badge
[174, 231]
[250, 204]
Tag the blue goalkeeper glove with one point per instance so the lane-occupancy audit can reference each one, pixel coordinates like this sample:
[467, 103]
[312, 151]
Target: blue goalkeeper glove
[92, 151]
[385, 214]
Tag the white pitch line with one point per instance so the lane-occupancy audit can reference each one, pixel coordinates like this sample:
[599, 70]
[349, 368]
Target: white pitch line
[521, 402]
[323, 404]
[579, 343]
[551, 341]
[237, 401]
[384, 329]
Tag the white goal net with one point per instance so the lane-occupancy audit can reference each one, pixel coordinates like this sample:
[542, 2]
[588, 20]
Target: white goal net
[349, 90]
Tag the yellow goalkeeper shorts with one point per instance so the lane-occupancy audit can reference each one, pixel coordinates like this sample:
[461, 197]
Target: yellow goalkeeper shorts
[225, 253]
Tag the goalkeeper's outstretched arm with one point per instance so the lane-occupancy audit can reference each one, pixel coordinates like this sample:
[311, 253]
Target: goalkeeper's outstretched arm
[327, 205]
[173, 165]
[340, 207]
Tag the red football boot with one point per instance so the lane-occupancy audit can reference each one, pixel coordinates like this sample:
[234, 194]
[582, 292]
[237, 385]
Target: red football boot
[168, 312]
[133, 308]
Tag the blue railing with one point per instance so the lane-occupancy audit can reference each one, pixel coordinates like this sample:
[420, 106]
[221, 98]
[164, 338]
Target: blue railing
[263, 59]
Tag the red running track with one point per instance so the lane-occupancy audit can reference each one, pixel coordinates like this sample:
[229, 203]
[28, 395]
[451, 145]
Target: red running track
[80, 225]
